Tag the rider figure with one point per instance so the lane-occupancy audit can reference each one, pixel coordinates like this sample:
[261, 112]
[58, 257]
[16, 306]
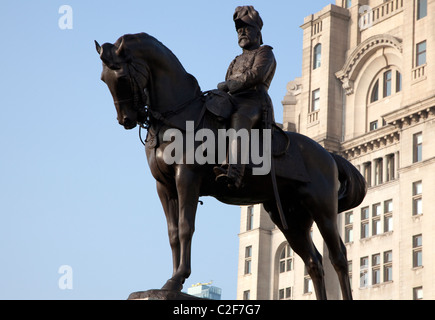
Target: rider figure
[247, 80]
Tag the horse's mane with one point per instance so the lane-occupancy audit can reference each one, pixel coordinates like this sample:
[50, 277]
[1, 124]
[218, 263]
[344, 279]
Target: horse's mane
[131, 40]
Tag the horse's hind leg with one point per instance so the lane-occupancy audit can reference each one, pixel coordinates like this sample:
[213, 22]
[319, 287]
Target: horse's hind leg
[337, 251]
[299, 238]
[325, 216]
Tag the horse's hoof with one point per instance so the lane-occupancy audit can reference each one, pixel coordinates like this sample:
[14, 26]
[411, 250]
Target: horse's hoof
[172, 285]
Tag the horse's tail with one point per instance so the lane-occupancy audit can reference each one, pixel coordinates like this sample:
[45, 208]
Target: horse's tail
[353, 186]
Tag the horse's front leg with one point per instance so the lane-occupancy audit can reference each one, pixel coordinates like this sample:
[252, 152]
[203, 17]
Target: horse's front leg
[188, 187]
[169, 199]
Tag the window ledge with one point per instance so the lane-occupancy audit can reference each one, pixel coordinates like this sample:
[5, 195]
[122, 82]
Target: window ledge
[417, 268]
[417, 217]
[378, 285]
[381, 235]
[383, 184]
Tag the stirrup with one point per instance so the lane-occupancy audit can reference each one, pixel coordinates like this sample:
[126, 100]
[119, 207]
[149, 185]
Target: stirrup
[220, 170]
[229, 175]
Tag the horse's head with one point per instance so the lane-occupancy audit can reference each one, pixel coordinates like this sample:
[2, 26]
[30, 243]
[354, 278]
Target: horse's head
[127, 81]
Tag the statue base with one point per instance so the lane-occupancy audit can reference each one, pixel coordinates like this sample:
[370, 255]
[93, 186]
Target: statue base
[161, 295]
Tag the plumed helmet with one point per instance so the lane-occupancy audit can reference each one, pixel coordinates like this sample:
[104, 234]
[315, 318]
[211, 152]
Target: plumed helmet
[247, 15]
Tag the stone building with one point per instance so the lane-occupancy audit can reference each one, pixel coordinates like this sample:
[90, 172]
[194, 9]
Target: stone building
[367, 92]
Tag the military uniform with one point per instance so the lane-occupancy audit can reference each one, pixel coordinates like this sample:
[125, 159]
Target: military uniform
[247, 80]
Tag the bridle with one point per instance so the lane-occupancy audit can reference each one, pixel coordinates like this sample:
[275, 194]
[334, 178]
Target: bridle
[140, 99]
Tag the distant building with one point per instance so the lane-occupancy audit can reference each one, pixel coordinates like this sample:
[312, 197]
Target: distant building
[205, 290]
[367, 92]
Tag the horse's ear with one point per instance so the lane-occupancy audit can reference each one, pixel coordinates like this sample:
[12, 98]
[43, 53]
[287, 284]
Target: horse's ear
[97, 46]
[122, 51]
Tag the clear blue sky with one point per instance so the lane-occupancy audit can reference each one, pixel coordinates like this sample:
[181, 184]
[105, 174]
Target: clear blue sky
[75, 188]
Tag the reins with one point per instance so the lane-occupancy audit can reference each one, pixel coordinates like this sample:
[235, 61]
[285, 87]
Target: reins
[150, 115]
[164, 117]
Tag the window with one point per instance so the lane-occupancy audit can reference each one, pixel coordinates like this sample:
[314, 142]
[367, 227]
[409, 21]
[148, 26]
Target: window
[417, 293]
[379, 171]
[347, 3]
[363, 276]
[376, 219]
[286, 259]
[417, 198]
[421, 54]
[375, 92]
[246, 295]
[417, 145]
[317, 56]
[421, 9]
[376, 269]
[348, 227]
[388, 266]
[364, 222]
[316, 100]
[248, 259]
[250, 218]
[350, 273]
[390, 167]
[417, 253]
[387, 83]
[285, 293]
[388, 216]
[373, 125]
[288, 293]
[367, 173]
[308, 283]
[398, 81]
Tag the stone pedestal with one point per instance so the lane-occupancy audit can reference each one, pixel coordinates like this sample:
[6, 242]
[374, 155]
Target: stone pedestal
[161, 295]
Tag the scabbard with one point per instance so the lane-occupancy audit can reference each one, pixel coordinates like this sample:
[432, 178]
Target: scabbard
[267, 118]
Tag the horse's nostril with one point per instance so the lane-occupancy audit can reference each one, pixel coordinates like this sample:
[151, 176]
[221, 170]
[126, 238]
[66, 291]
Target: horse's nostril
[126, 121]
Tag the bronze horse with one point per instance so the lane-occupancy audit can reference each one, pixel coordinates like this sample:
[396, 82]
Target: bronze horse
[150, 86]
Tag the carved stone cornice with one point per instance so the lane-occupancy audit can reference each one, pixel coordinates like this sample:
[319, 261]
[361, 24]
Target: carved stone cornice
[369, 142]
[360, 54]
[412, 114]
[396, 122]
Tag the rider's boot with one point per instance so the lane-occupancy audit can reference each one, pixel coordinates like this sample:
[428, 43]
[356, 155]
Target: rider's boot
[232, 172]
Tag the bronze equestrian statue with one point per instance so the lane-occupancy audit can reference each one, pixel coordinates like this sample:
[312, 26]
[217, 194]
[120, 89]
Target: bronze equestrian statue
[151, 88]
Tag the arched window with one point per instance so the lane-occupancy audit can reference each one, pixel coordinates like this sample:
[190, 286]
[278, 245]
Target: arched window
[375, 92]
[386, 84]
[383, 96]
[317, 56]
[388, 78]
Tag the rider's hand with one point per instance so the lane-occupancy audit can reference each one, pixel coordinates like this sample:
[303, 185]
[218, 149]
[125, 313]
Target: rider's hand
[223, 86]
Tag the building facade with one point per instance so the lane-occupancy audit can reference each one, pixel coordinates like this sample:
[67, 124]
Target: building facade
[206, 291]
[367, 92]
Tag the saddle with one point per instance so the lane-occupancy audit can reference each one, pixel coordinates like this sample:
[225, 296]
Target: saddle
[221, 105]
